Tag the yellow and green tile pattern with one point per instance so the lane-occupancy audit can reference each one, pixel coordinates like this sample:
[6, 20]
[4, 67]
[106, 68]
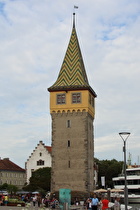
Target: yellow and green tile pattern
[72, 73]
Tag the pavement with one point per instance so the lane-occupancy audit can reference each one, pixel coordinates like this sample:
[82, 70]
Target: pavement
[33, 208]
[22, 208]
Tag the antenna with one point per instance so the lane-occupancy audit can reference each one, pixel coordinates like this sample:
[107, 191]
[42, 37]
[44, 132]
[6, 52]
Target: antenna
[138, 160]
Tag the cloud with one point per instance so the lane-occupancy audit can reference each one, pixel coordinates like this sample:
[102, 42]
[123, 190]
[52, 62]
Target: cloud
[34, 38]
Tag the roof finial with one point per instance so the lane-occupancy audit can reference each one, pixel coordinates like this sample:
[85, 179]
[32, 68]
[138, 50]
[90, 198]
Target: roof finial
[74, 20]
[75, 7]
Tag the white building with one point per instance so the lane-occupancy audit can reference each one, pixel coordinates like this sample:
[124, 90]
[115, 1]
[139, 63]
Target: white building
[40, 158]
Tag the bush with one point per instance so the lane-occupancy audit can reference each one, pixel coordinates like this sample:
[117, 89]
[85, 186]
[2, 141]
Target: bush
[14, 200]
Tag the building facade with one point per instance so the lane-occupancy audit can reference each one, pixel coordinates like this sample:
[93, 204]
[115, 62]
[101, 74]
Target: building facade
[40, 158]
[72, 108]
[11, 173]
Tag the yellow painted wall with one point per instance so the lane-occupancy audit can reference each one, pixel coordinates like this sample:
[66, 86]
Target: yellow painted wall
[84, 105]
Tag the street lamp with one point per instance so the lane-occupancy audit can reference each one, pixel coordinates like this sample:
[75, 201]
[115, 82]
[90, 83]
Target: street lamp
[124, 136]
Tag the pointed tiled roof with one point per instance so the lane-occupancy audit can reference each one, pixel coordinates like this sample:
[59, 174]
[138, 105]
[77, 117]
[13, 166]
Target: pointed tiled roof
[72, 75]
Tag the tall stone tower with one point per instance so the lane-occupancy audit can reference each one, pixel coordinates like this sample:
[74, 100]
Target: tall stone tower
[72, 110]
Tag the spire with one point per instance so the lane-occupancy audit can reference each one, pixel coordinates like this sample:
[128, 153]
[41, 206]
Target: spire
[72, 75]
[74, 20]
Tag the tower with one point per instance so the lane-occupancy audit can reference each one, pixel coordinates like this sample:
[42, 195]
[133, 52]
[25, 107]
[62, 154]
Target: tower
[72, 109]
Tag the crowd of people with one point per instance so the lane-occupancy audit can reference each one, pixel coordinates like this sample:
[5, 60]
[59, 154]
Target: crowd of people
[94, 203]
[38, 200]
[102, 203]
[34, 200]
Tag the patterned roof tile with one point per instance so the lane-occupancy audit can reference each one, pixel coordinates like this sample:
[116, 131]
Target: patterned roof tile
[72, 74]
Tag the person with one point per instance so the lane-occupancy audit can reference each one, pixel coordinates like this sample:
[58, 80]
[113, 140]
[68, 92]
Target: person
[94, 202]
[100, 203]
[105, 203]
[117, 205]
[54, 203]
[46, 201]
[76, 202]
[39, 200]
[5, 200]
[34, 200]
[1, 200]
[89, 204]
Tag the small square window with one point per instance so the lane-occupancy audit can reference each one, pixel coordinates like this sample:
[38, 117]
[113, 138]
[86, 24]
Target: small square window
[61, 99]
[76, 98]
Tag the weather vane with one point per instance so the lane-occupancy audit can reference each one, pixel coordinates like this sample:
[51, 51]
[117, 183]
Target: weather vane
[75, 7]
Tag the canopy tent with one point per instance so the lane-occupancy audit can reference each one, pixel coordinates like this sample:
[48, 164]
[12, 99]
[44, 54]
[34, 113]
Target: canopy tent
[100, 190]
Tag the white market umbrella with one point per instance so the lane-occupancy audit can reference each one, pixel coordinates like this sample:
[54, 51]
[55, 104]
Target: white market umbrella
[101, 190]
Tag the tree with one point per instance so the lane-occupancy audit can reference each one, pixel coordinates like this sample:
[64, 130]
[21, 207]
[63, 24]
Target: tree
[4, 186]
[12, 189]
[40, 180]
[109, 169]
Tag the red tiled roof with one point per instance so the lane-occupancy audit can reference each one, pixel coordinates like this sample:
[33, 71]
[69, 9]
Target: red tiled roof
[8, 165]
[49, 148]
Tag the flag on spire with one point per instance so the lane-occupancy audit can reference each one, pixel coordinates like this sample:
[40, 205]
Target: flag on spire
[75, 7]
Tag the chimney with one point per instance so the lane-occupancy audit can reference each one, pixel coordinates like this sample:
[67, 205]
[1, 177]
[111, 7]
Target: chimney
[5, 158]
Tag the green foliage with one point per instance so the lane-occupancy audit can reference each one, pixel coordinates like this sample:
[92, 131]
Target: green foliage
[4, 186]
[109, 169]
[14, 200]
[12, 189]
[40, 180]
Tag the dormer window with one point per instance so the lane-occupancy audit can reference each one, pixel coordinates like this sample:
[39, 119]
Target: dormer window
[76, 98]
[61, 98]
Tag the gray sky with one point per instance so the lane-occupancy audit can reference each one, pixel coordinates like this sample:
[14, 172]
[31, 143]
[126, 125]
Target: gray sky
[34, 35]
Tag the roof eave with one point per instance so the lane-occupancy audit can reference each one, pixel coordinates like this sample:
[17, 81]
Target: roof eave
[65, 88]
